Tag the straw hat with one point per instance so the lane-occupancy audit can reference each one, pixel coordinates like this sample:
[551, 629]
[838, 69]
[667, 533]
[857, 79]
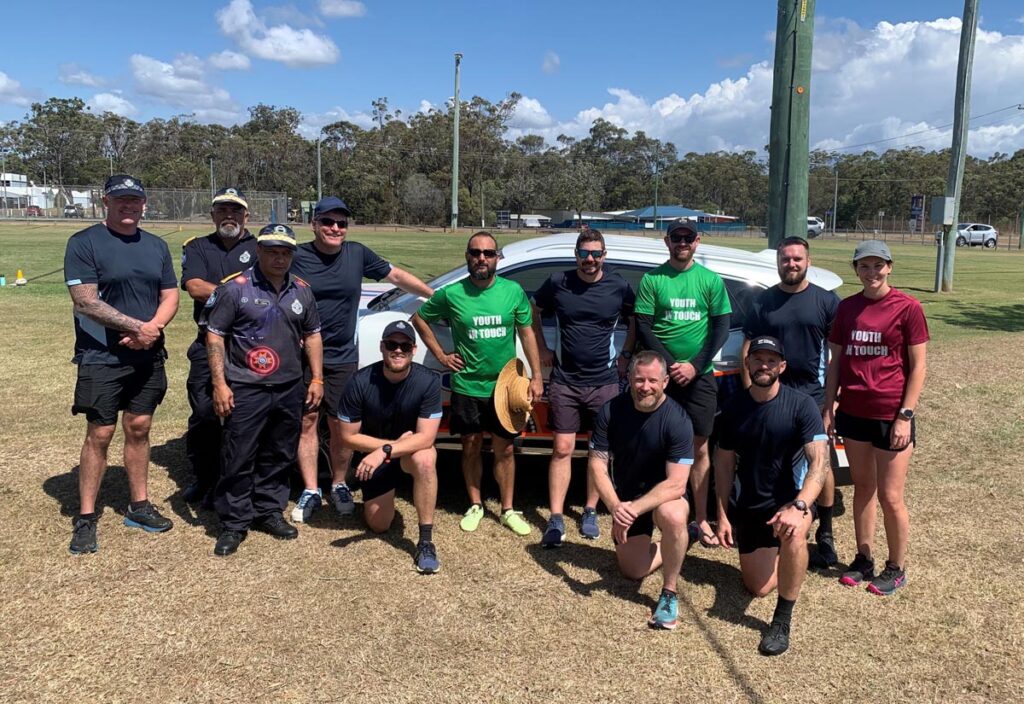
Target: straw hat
[512, 397]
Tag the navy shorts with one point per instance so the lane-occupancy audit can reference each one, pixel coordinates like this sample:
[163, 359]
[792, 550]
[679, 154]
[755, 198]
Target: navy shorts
[470, 414]
[572, 408]
[870, 430]
[335, 379]
[104, 389]
[750, 528]
[699, 399]
[384, 479]
[643, 525]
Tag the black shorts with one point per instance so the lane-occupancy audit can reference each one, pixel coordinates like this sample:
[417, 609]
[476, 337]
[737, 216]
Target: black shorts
[870, 430]
[699, 399]
[566, 404]
[643, 525]
[335, 379]
[469, 415]
[384, 479]
[750, 528]
[104, 389]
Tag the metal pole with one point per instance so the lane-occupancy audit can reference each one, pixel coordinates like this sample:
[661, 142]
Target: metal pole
[111, 164]
[213, 184]
[483, 224]
[319, 172]
[3, 177]
[455, 148]
[835, 201]
[656, 175]
[961, 118]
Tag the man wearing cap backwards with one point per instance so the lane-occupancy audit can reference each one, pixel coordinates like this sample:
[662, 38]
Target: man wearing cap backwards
[124, 292]
[335, 267]
[641, 452]
[485, 312]
[770, 465]
[799, 314]
[588, 303]
[390, 412]
[206, 262]
[682, 313]
[258, 325]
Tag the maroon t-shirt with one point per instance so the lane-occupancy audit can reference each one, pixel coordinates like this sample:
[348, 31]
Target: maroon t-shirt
[874, 362]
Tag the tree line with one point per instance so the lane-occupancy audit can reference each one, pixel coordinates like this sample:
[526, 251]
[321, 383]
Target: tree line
[399, 169]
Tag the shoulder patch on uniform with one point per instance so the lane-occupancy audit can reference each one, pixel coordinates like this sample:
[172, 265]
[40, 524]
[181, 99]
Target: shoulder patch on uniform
[301, 282]
[237, 277]
[188, 241]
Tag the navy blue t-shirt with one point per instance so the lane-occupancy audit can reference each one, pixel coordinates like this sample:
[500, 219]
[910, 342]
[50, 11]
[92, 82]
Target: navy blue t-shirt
[386, 409]
[129, 271]
[208, 259]
[586, 315]
[802, 322]
[641, 443]
[336, 280]
[768, 439]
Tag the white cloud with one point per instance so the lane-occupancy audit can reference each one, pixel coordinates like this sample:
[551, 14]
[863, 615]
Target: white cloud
[11, 91]
[229, 61]
[426, 106]
[313, 122]
[551, 63]
[293, 47]
[74, 75]
[342, 8]
[182, 84]
[530, 115]
[111, 102]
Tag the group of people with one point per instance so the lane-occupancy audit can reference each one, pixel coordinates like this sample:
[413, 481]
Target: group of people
[276, 348]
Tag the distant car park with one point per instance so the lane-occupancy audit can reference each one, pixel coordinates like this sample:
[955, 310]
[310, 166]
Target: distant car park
[74, 211]
[972, 234]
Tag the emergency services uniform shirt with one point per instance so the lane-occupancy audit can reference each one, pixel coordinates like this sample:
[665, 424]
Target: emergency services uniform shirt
[208, 259]
[263, 329]
[388, 409]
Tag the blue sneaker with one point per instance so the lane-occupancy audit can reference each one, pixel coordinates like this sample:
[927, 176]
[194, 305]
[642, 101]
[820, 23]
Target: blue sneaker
[554, 534]
[341, 498]
[666, 613]
[309, 501]
[588, 524]
[426, 558]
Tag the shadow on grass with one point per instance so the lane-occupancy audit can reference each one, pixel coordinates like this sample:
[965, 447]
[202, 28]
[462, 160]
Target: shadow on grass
[394, 536]
[731, 599]
[171, 456]
[113, 492]
[590, 557]
[994, 318]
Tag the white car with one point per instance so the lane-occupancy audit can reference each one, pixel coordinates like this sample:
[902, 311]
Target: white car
[815, 226]
[976, 233]
[530, 262]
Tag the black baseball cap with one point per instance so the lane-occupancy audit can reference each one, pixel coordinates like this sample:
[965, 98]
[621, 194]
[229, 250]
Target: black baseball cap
[682, 225]
[400, 327]
[326, 205]
[230, 194]
[274, 235]
[123, 185]
[766, 342]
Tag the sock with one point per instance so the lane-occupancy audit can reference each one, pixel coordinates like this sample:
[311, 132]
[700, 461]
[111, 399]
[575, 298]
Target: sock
[504, 509]
[589, 509]
[558, 517]
[339, 484]
[136, 505]
[89, 516]
[784, 610]
[825, 519]
[667, 591]
[426, 532]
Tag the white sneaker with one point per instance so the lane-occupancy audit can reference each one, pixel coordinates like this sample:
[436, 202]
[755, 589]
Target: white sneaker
[309, 501]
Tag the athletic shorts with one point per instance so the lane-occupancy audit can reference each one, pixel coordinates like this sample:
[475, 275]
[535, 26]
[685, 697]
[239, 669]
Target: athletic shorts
[567, 403]
[470, 414]
[870, 430]
[643, 525]
[699, 399]
[384, 479]
[104, 389]
[750, 528]
[335, 379]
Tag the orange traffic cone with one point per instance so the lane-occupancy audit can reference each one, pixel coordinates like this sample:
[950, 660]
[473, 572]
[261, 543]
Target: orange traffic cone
[19, 280]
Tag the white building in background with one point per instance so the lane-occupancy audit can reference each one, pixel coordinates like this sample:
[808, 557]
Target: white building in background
[17, 193]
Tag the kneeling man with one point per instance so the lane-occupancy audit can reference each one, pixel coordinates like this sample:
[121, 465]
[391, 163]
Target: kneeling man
[390, 411]
[645, 439]
[772, 445]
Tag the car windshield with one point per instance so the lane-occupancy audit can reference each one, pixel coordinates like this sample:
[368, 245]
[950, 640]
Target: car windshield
[396, 297]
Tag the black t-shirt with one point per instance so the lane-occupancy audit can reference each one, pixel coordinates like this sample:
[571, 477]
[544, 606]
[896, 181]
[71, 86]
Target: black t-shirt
[336, 280]
[262, 328]
[386, 409]
[129, 273]
[641, 443]
[208, 259]
[802, 322]
[769, 440]
[586, 316]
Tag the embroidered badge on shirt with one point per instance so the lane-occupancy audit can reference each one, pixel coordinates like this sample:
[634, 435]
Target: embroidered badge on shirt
[296, 307]
[244, 258]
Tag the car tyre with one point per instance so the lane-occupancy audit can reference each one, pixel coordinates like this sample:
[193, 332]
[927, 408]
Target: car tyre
[990, 244]
[961, 242]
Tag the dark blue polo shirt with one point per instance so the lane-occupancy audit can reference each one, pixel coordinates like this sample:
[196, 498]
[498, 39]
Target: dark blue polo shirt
[263, 329]
[385, 409]
[641, 443]
[586, 315]
[801, 321]
[129, 273]
[768, 439]
[207, 258]
[336, 280]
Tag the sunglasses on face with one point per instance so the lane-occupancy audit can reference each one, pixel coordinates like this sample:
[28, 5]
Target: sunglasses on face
[591, 253]
[488, 253]
[393, 345]
[687, 237]
[331, 222]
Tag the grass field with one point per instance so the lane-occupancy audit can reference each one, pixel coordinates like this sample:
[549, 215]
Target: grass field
[339, 616]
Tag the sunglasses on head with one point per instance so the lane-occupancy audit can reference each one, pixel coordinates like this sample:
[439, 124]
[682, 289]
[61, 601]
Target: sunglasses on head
[393, 345]
[591, 253]
[331, 222]
[489, 253]
[687, 237]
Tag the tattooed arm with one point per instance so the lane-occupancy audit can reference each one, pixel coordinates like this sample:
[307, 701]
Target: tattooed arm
[818, 464]
[87, 302]
[223, 397]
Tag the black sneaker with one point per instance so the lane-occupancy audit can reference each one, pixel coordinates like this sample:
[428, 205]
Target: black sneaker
[147, 518]
[825, 556]
[860, 570]
[83, 536]
[775, 641]
[891, 579]
[554, 534]
[228, 542]
[276, 526]
[426, 558]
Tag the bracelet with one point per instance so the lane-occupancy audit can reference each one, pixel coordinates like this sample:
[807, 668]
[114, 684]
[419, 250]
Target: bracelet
[317, 381]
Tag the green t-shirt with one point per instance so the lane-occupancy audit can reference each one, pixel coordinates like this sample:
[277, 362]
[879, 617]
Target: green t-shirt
[682, 303]
[483, 323]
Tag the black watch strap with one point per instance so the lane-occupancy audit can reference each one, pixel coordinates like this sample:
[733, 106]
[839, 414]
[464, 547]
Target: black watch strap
[387, 452]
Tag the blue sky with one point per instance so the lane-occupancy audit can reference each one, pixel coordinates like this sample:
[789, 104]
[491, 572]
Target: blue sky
[691, 72]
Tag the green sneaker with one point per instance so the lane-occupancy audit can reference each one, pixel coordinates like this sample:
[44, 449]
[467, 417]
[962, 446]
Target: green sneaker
[513, 520]
[471, 520]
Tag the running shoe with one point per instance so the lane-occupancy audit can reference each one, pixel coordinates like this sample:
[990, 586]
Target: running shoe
[471, 519]
[83, 536]
[554, 534]
[860, 570]
[891, 579]
[825, 556]
[426, 558]
[588, 524]
[341, 499]
[666, 613]
[514, 521]
[775, 640]
[309, 501]
[147, 518]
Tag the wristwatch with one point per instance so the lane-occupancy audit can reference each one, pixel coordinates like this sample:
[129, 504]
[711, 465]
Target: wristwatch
[387, 452]
[907, 413]
[800, 505]
[626, 355]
